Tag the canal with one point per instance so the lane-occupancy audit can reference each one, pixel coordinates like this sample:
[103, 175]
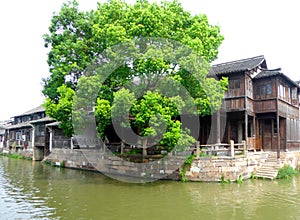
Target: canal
[30, 190]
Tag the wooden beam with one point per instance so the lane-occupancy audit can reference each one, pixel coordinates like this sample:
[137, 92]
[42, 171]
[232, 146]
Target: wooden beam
[246, 125]
[278, 137]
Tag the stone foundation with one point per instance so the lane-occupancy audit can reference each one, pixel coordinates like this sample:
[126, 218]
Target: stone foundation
[28, 154]
[202, 169]
[75, 158]
[212, 169]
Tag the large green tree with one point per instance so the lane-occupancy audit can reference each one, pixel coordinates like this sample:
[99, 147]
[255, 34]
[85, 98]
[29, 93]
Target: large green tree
[77, 39]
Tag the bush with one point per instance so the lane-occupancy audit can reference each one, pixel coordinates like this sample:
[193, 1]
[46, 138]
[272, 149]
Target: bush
[286, 171]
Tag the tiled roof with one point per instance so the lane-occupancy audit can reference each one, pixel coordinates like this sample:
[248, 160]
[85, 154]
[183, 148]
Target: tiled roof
[29, 123]
[53, 124]
[45, 119]
[20, 125]
[238, 65]
[270, 73]
[32, 111]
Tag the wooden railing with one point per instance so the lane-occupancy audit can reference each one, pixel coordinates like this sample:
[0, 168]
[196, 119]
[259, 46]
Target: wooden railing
[221, 149]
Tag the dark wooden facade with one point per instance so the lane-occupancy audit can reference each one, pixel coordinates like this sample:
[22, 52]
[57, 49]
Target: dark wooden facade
[57, 138]
[261, 105]
[28, 131]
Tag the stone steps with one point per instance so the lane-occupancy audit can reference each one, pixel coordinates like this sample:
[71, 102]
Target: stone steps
[269, 169]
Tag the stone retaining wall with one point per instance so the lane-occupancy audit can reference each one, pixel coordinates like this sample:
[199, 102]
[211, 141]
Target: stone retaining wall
[212, 169]
[76, 158]
[202, 169]
[28, 154]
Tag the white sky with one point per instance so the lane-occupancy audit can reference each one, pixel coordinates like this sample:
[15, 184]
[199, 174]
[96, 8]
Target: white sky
[250, 28]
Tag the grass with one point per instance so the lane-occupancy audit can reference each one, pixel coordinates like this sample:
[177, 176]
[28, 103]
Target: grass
[16, 156]
[286, 172]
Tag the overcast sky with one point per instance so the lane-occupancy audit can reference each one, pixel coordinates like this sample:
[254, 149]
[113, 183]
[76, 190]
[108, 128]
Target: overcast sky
[250, 28]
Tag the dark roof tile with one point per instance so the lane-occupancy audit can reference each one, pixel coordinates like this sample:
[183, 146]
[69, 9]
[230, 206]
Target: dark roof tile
[32, 111]
[271, 73]
[238, 65]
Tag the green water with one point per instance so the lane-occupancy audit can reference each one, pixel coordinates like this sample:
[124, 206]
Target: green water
[30, 190]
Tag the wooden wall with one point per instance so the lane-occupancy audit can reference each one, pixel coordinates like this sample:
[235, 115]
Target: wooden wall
[60, 140]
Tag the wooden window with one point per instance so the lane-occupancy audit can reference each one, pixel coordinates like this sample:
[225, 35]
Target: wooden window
[269, 89]
[281, 91]
[18, 136]
[265, 89]
[40, 130]
[294, 93]
[234, 84]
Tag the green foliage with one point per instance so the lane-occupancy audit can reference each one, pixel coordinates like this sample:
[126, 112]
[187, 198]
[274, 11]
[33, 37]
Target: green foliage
[286, 172]
[204, 153]
[182, 175]
[252, 176]
[53, 164]
[103, 115]
[240, 180]
[190, 159]
[187, 164]
[16, 156]
[61, 110]
[76, 39]
[223, 180]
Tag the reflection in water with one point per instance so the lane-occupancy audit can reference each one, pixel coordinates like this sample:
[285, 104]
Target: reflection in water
[30, 190]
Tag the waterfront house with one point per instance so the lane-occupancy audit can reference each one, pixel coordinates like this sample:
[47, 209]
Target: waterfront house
[28, 132]
[261, 106]
[57, 138]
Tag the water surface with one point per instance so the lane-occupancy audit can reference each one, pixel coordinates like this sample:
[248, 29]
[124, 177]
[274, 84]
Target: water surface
[30, 190]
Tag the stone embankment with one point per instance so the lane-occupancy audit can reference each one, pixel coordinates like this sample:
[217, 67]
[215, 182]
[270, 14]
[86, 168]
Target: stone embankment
[206, 169]
[228, 168]
[155, 168]
[260, 164]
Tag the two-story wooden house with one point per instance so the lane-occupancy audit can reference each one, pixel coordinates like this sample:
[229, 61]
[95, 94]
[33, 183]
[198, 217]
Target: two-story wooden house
[28, 132]
[261, 106]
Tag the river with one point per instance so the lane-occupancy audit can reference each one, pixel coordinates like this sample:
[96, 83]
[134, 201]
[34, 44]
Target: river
[31, 190]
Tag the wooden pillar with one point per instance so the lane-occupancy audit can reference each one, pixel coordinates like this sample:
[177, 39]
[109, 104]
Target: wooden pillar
[122, 147]
[72, 142]
[272, 134]
[255, 134]
[50, 139]
[278, 137]
[285, 135]
[231, 148]
[262, 134]
[33, 136]
[144, 146]
[197, 149]
[246, 125]
[218, 128]
[245, 150]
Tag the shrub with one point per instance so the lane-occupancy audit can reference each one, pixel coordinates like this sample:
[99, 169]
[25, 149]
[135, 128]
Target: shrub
[286, 171]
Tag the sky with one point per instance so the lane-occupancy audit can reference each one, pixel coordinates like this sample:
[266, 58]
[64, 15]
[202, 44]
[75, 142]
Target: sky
[250, 28]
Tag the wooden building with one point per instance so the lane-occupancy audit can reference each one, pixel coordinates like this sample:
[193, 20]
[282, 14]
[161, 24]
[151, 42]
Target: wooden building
[260, 106]
[28, 132]
[57, 138]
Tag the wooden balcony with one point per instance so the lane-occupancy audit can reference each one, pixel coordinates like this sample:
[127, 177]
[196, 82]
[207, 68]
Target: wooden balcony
[263, 106]
[234, 104]
[287, 110]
